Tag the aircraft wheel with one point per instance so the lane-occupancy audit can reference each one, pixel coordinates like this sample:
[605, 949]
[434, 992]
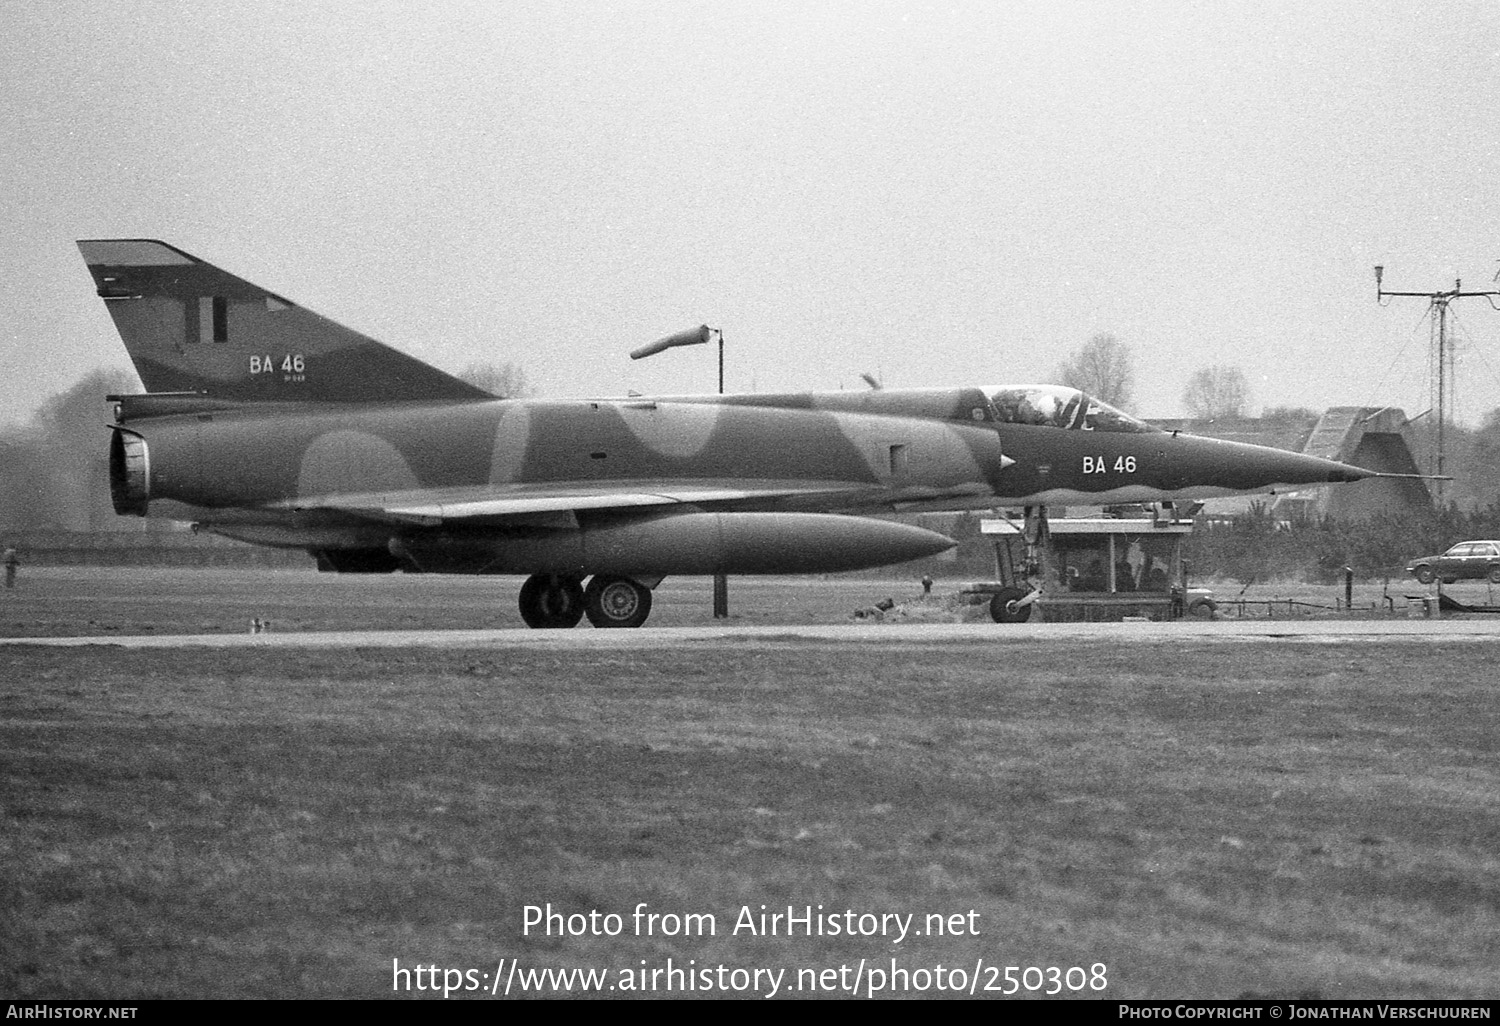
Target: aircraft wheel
[548, 600]
[616, 602]
[1424, 575]
[1001, 610]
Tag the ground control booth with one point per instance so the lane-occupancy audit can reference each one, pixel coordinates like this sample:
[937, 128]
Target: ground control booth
[1091, 568]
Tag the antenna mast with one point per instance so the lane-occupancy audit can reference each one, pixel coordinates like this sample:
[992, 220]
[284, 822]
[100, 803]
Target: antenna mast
[1442, 361]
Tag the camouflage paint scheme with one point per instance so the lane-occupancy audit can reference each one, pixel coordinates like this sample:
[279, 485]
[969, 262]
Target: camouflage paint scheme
[268, 423]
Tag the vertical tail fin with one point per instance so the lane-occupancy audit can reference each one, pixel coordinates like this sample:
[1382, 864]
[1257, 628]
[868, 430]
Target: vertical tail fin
[190, 327]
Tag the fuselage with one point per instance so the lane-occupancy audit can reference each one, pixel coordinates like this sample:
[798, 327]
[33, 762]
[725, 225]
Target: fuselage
[836, 452]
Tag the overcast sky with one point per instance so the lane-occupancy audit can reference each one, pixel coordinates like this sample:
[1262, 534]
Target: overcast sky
[936, 193]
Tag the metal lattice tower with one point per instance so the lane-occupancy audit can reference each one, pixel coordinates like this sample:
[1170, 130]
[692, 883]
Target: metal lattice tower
[1441, 367]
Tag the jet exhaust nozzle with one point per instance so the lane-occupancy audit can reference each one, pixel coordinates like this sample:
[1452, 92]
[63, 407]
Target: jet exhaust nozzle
[129, 474]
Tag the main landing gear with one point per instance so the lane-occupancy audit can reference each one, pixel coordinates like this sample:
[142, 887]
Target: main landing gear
[552, 600]
[616, 601]
[549, 600]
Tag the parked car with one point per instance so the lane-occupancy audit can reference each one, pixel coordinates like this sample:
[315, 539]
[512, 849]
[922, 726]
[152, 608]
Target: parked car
[1470, 559]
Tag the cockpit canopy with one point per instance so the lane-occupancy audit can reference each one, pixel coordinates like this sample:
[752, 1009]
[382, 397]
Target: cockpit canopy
[1057, 406]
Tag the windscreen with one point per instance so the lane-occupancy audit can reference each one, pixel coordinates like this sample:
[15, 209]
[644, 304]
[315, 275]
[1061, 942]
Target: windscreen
[1057, 406]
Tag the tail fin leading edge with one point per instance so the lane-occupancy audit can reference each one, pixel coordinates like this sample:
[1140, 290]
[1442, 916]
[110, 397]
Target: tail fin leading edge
[190, 327]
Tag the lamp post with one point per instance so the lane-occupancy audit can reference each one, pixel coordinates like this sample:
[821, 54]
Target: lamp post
[696, 337]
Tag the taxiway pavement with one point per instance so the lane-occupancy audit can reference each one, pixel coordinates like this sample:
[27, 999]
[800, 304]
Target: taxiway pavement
[1243, 631]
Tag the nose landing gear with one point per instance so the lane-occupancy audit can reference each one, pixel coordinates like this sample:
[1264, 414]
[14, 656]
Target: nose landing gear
[1007, 606]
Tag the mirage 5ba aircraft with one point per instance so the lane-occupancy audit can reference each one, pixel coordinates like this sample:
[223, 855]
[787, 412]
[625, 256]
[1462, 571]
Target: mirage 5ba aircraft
[267, 423]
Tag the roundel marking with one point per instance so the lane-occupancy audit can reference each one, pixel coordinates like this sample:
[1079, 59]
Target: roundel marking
[677, 431]
[348, 462]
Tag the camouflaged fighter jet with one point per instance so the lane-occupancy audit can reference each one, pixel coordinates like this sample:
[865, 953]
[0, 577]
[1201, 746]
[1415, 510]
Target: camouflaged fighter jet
[267, 423]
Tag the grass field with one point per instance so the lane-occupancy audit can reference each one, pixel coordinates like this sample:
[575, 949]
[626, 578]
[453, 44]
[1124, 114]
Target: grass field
[1205, 820]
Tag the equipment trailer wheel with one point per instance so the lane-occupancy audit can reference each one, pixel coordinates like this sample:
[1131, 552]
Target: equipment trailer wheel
[1202, 609]
[1002, 610]
[616, 602]
[548, 600]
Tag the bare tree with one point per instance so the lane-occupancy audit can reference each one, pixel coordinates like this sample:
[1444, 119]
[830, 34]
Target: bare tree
[56, 469]
[1219, 392]
[506, 380]
[1104, 368]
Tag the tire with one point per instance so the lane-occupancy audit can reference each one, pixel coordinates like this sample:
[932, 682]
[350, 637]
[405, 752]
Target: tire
[616, 602]
[549, 601]
[1494, 575]
[1424, 575]
[1203, 609]
[1000, 606]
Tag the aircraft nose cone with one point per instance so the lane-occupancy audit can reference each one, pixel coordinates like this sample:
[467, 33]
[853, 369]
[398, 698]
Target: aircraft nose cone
[1320, 470]
[1343, 473]
[1247, 468]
